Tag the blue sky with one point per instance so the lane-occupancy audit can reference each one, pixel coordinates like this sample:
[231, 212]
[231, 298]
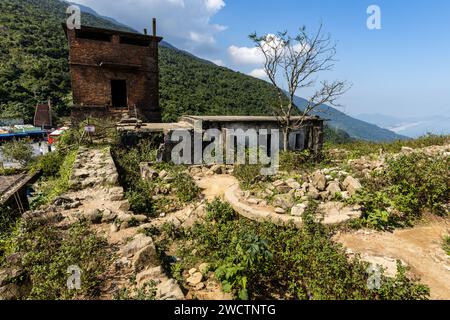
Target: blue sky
[401, 70]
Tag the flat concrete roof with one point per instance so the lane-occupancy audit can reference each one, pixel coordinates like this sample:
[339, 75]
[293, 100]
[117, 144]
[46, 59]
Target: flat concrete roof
[242, 118]
[156, 127]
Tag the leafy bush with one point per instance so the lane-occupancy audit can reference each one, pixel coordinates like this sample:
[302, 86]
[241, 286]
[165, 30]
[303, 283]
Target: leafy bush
[261, 260]
[50, 163]
[18, 150]
[247, 174]
[220, 212]
[140, 198]
[409, 185]
[293, 161]
[186, 189]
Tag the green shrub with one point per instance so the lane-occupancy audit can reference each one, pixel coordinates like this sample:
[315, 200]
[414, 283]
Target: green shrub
[18, 150]
[359, 148]
[219, 211]
[140, 198]
[50, 163]
[293, 161]
[54, 186]
[409, 185]
[247, 175]
[418, 181]
[186, 189]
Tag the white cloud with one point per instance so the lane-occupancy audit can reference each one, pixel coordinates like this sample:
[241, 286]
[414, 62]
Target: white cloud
[245, 55]
[184, 23]
[214, 5]
[258, 73]
[253, 55]
[218, 62]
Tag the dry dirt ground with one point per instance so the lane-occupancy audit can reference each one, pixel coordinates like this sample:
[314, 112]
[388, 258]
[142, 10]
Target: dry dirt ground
[419, 247]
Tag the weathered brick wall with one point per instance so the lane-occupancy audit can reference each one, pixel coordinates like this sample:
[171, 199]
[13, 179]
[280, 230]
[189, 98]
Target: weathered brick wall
[91, 83]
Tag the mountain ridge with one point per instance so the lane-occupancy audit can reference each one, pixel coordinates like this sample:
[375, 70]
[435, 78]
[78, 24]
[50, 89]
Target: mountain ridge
[34, 68]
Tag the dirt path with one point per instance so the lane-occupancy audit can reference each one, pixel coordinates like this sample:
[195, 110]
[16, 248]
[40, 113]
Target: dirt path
[215, 186]
[419, 247]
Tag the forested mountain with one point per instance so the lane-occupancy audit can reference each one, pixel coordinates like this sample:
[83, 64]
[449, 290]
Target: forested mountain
[34, 68]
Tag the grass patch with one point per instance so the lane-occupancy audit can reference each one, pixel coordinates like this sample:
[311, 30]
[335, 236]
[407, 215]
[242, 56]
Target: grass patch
[446, 245]
[47, 253]
[359, 148]
[55, 184]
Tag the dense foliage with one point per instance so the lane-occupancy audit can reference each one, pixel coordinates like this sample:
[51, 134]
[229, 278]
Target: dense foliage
[410, 185]
[254, 260]
[17, 150]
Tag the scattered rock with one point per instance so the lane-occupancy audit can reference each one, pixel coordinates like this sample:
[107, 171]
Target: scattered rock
[194, 279]
[108, 216]
[217, 169]
[293, 184]
[116, 194]
[94, 216]
[298, 209]
[163, 174]
[192, 271]
[284, 201]
[280, 211]
[200, 286]
[149, 274]
[313, 193]
[169, 290]
[351, 185]
[319, 181]
[204, 268]
[333, 188]
[146, 257]
[147, 173]
[407, 150]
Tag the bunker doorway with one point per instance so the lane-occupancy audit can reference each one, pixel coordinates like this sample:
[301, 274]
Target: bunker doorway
[119, 93]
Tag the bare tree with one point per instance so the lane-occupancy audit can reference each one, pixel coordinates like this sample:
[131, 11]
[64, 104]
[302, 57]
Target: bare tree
[295, 63]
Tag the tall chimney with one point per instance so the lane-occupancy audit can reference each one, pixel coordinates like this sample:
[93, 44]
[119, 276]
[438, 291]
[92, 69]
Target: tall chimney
[154, 27]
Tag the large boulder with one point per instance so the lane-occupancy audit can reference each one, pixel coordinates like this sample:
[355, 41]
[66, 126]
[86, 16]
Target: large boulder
[169, 290]
[284, 201]
[352, 185]
[313, 193]
[139, 242]
[298, 209]
[194, 279]
[293, 184]
[319, 181]
[333, 188]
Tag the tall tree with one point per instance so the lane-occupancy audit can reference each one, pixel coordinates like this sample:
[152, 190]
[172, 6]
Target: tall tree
[294, 62]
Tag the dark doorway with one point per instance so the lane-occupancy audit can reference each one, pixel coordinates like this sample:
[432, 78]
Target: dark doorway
[119, 93]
